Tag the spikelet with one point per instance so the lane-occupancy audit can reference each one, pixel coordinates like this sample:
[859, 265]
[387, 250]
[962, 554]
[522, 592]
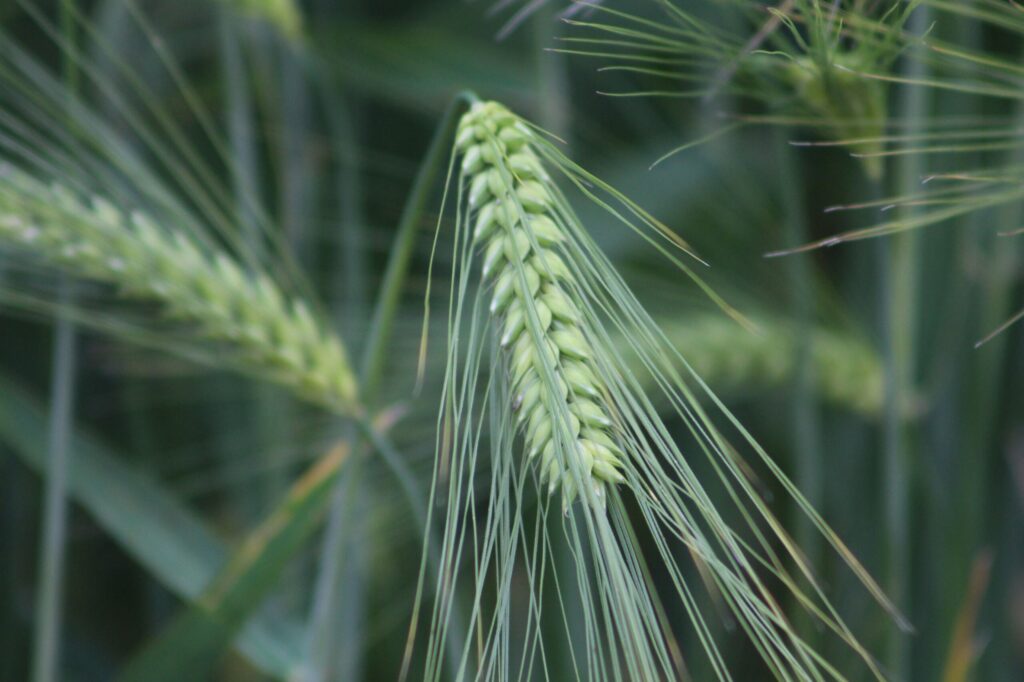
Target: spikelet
[847, 371]
[824, 69]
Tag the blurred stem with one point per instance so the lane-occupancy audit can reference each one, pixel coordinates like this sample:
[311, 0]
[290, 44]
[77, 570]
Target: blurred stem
[244, 184]
[901, 257]
[552, 82]
[335, 639]
[51, 558]
[49, 595]
[804, 408]
[378, 341]
[337, 617]
[325, 624]
[976, 513]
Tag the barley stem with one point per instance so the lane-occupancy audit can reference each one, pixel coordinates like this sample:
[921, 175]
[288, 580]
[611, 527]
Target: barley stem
[804, 408]
[378, 341]
[902, 265]
[49, 596]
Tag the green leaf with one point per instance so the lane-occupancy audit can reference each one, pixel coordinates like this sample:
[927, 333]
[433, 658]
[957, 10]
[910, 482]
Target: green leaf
[195, 640]
[167, 539]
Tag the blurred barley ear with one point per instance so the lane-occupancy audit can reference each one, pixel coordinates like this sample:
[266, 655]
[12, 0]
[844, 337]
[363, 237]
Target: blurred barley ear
[270, 334]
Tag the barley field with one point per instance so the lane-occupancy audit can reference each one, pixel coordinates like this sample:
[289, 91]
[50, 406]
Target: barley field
[511, 340]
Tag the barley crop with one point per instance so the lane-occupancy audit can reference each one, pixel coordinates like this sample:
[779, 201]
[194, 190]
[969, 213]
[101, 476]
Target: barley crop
[568, 405]
[224, 180]
[847, 371]
[543, 335]
[199, 284]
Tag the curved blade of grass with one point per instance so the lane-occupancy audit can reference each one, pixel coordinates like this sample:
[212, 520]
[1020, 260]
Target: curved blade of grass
[158, 531]
[196, 639]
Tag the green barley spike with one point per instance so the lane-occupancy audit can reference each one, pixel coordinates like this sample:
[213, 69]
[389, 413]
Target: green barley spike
[541, 332]
[267, 332]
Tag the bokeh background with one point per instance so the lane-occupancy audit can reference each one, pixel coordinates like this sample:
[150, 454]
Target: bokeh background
[328, 114]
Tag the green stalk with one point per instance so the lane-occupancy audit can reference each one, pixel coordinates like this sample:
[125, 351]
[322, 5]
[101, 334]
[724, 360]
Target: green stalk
[804, 412]
[337, 617]
[49, 590]
[900, 310]
[975, 514]
[239, 118]
[325, 624]
[378, 341]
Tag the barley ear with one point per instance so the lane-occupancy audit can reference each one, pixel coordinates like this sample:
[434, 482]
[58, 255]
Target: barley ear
[559, 402]
[267, 333]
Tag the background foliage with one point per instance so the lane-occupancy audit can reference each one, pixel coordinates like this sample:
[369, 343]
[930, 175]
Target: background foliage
[327, 111]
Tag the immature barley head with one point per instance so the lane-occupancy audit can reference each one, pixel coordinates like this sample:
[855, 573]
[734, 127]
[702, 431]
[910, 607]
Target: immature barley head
[822, 65]
[560, 403]
[539, 379]
[264, 331]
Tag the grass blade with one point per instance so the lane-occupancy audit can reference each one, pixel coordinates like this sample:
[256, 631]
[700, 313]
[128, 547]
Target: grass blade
[168, 540]
[398, 263]
[49, 595]
[197, 637]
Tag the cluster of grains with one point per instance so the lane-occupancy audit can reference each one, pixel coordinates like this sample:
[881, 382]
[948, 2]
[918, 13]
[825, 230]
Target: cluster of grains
[556, 396]
[268, 333]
